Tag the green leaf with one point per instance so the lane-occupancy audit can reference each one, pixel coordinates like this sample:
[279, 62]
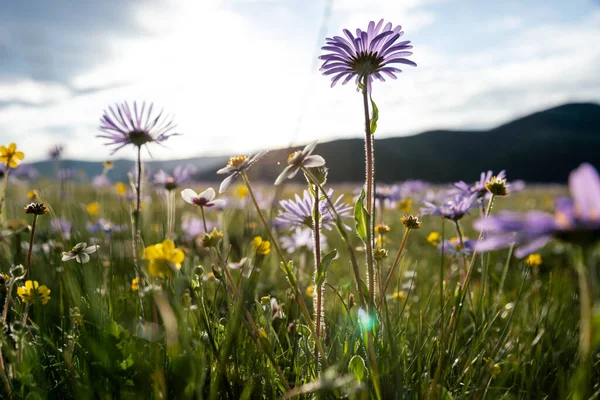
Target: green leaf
[323, 267]
[289, 273]
[358, 368]
[361, 217]
[375, 117]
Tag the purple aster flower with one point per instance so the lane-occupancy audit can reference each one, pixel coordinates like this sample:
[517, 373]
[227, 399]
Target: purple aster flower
[123, 125]
[100, 181]
[235, 166]
[103, 225]
[181, 174]
[299, 159]
[453, 246]
[204, 199]
[478, 188]
[370, 54]
[298, 212]
[193, 227]
[55, 152]
[61, 227]
[453, 208]
[575, 220]
[301, 238]
[67, 174]
[23, 171]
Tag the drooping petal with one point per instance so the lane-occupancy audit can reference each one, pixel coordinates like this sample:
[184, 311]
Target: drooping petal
[314, 161]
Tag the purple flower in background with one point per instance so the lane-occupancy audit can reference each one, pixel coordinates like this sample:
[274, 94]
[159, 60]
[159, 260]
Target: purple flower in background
[370, 54]
[22, 171]
[298, 212]
[61, 227]
[124, 125]
[193, 227]
[55, 152]
[575, 220]
[454, 207]
[100, 181]
[299, 159]
[67, 174]
[181, 174]
[103, 225]
[478, 187]
[299, 239]
[235, 166]
[453, 246]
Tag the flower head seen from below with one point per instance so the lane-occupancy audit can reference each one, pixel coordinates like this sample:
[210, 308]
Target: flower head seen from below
[204, 199]
[575, 220]
[479, 188]
[212, 239]
[10, 157]
[33, 293]
[181, 175]
[36, 209]
[260, 246]
[235, 166]
[411, 222]
[298, 212]
[453, 208]
[299, 159]
[163, 259]
[80, 252]
[123, 125]
[369, 55]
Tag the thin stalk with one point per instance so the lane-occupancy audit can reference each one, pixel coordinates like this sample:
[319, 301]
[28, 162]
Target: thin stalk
[343, 234]
[4, 189]
[585, 328]
[30, 251]
[170, 194]
[203, 219]
[393, 268]
[317, 256]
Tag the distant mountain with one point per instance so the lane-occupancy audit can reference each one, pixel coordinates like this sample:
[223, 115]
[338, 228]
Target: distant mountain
[542, 147]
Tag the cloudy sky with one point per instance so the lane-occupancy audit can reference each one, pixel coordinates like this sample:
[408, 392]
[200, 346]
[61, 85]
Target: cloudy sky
[242, 74]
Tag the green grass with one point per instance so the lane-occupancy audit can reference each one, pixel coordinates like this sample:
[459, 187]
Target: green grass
[185, 338]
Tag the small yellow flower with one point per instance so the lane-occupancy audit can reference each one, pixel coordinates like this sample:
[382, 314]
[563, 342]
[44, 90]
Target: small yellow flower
[382, 229]
[263, 333]
[108, 165]
[534, 260]
[32, 292]
[399, 295]
[494, 367]
[411, 222]
[32, 195]
[121, 188]
[135, 284]
[93, 208]
[10, 156]
[260, 246]
[310, 291]
[405, 206]
[434, 238]
[163, 257]
[236, 161]
[241, 192]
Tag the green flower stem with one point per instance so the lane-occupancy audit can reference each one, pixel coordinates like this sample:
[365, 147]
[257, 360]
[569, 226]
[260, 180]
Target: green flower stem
[30, 251]
[585, 328]
[370, 183]
[319, 325]
[343, 234]
[4, 189]
[392, 269]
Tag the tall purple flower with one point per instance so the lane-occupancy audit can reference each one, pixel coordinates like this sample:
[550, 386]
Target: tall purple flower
[575, 220]
[453, 208]
[370, 54]
[55, 152]
[123, 125]
[298, 212]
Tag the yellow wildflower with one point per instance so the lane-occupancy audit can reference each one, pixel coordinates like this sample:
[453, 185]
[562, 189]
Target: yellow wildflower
[93, 208]
[434, 238]
[260, 246]
[121, 188]
[10, 156]
[32, 292]
[163, 257]
[534, 260]
[241, 192]
[135, 284]
[405, 206]
[236, 161]
[310, 291]
[399, 295]
[32, 195]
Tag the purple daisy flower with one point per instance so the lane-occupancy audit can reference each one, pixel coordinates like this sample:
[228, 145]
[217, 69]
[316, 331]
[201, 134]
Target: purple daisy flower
[123, 125]
[235, 166]
[453, 208]
[478, 188]
[369, 54]
[55, 152]
[101, 181]
[298, 212]
[181, 174]
[575, 220]
[301, 238]
[453, 246]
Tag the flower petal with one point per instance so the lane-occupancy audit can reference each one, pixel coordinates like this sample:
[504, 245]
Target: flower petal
[314, 161]
[188, 195]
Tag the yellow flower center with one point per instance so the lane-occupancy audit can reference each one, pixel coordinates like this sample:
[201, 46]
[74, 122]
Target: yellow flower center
[292, 155]
[236, 161]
